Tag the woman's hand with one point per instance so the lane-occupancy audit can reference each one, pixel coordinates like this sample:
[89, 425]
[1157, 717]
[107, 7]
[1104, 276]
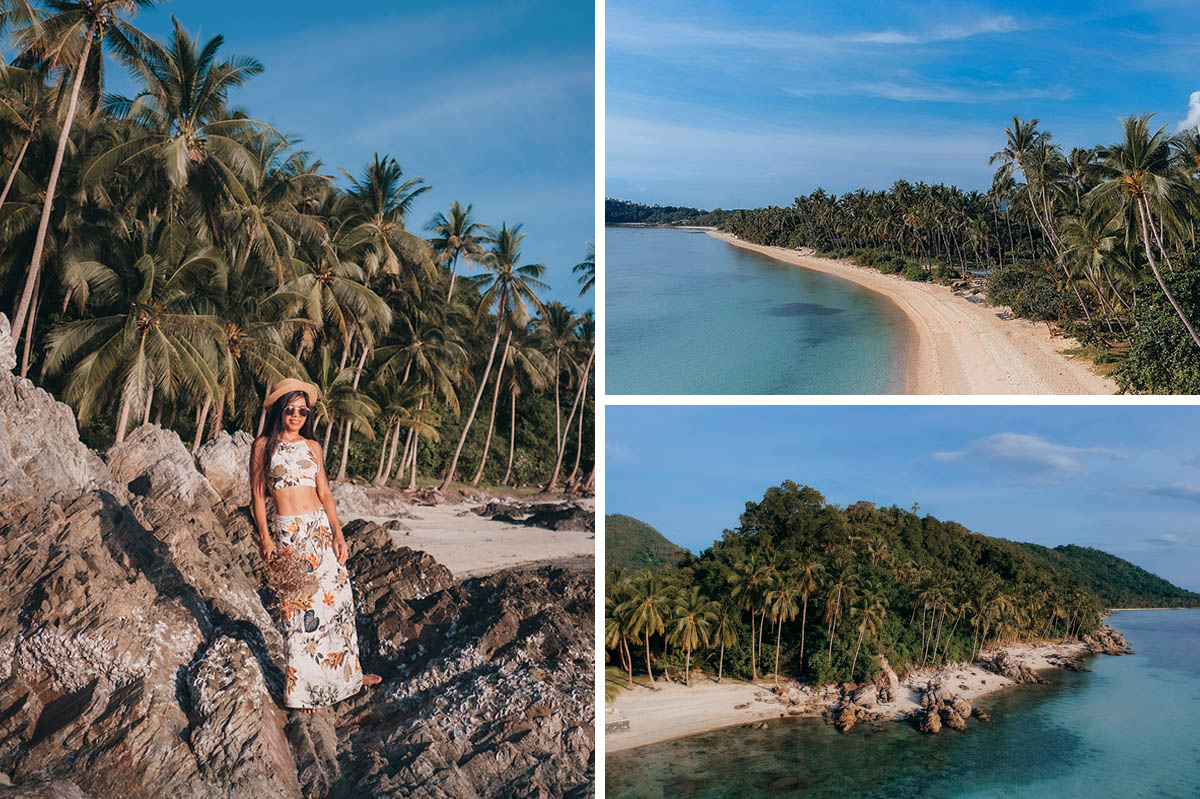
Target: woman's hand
[266, 547]
[340, 550]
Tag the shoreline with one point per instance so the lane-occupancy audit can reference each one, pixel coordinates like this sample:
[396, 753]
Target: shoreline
[956, 346]
[675, 711]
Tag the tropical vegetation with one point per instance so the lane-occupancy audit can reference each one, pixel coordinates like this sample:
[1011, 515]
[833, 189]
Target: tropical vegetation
[166, 257]
[1100, 241]
[808, 590]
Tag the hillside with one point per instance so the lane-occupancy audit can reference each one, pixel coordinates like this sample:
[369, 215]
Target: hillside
[624, 212]
[633, 544]
[1118, 582]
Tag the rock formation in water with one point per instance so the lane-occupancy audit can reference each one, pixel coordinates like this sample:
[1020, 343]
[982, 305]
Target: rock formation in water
[137, 657]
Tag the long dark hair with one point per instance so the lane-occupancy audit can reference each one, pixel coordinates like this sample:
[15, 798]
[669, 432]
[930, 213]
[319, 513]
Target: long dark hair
[274, 426]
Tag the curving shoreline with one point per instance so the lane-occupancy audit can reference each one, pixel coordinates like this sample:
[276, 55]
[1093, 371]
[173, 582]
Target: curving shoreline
[956, 346]
[676, 711]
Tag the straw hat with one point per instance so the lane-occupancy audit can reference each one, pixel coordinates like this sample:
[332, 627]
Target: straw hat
[287, 385]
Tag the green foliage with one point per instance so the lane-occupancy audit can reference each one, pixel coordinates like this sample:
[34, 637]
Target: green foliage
[915, 589]
[916, 273]
[633, 544]
[625, 212]
[1162, 358]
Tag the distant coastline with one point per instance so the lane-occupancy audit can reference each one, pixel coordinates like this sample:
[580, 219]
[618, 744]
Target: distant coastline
[957, 346]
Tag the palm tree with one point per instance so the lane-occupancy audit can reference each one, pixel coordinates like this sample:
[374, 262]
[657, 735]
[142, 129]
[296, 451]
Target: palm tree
[510, 287]
[646, 609]
[154, 341]
[586, 270]
[457, 235]
[1139, 171]
[867, 617]
[781, 606]
[556, 328]
[586, 340]
[25, 105]
[375, 207]
[808, 581]
[724, 633]
[63, 42]
[527, 373]
[841, 592]
[694, 617]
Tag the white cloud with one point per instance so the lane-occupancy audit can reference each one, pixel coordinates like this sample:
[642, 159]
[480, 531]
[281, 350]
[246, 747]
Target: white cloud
[919, 90]
[1193, 117]
[1020, 449]
[1169, 539]
[1185, 491]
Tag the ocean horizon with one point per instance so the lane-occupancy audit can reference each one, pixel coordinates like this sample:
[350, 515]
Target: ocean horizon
[689, 314]
[1130, 727]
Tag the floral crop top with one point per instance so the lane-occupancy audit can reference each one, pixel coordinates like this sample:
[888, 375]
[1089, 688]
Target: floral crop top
[292, 465]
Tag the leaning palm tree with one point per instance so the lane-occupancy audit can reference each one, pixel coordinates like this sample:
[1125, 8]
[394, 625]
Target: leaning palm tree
[692, 625]
[527, 373]
[1139, 171]
[26, 104]
[807, 582]
[647, 608]
[509, 286]
[63, 42]
[457, 235]
[867, 617]
[556, 328]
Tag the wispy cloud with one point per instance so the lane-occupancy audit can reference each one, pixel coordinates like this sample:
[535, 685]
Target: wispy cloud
[1193, 116]
[1189, 492]
[917, 89]
[1169, 539]
[1024, 450]
[1004, 23]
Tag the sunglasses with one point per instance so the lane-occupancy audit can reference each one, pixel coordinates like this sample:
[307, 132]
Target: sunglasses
[294, 409]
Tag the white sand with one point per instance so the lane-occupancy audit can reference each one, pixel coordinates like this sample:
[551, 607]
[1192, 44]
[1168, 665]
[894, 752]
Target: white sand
[961, 347]
[471, 545]
[675, 711]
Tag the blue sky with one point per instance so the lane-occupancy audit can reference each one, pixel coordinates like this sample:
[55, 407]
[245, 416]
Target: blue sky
[1122, 479]
[490, 102]
[721, 104]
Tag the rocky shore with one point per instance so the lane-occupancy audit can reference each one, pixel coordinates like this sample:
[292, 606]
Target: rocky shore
[929, 699]
[138, 659]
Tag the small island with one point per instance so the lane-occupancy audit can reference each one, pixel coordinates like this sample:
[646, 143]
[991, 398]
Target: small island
[855, 614]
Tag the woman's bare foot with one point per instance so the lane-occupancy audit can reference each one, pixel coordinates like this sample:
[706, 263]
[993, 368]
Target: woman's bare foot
[309, 711]
[371, 679]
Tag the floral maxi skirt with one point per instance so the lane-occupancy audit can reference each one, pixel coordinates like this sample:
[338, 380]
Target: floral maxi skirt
[322, 643]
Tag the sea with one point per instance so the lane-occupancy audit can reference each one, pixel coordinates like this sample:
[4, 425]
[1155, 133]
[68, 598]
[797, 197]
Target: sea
[687, 313]
[1128, 727]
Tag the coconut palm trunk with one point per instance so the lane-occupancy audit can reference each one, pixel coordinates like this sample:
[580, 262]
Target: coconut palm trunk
[462, 439]
[201, 417]
[574, 407]
[1143, 213]
[383, 475]
[341, 475]
[487, 444]
[579, 442]
[12, 175]
[408, 442]
[512, 437]
[39, 244]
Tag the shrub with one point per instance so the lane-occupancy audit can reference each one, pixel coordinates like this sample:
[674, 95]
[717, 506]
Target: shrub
[917, 273]
[1163, 358]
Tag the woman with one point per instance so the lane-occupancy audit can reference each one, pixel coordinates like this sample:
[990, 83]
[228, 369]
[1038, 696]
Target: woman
[322, 643]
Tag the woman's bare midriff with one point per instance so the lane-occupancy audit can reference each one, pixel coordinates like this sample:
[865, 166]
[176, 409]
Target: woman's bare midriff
[296, 500]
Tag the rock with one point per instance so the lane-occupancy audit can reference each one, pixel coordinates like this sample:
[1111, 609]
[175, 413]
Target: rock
[1010, 668]
[980, 714]
[40, 451]
[865, 696]
[952, 719]
[225, 463]
[848, 716]
[929, 722]
[53, 789]
[8, 351]
[152, 461]
[355, 501]
[137, 658]
[784, 782]
[550, 515]
[961, 706]
[887, 682]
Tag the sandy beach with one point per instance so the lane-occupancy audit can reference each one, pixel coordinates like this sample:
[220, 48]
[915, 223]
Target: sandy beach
[961, 347]
[471, 546]
[675, 711]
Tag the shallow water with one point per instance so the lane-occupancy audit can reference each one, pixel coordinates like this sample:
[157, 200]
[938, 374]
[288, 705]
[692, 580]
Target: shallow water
[1130, 727]
[690, 314]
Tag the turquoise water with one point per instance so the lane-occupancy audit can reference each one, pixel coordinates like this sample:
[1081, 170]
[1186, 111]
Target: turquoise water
[690, 314]
[1128, 728]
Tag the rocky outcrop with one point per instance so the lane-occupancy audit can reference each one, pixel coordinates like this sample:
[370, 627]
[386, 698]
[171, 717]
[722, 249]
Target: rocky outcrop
[1010, 668]
[941, 707]
[225, 462]
[1107, 641]
[355, 501]
[137, 658]
[550, 515]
